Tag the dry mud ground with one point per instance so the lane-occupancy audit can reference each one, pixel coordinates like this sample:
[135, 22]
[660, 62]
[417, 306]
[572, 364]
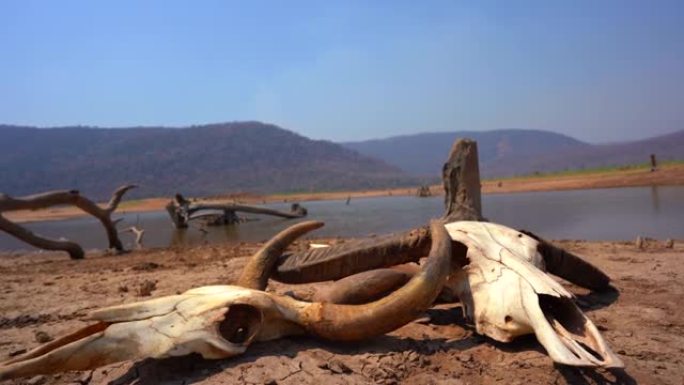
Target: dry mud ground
[644, 324]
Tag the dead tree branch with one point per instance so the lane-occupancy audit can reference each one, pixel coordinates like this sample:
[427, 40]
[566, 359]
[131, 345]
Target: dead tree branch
[64, 197]
[182, 210]
[75, 251]
[139, 234]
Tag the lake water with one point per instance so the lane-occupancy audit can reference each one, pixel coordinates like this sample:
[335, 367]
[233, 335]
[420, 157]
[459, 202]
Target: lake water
[601, 214]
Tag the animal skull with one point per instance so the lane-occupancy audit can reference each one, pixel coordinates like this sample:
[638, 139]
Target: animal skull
[221, 321]
[214, 321]
[505, 291]
[504, 286]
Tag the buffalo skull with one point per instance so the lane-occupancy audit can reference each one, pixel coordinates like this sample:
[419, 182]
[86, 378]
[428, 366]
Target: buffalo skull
[222, 321]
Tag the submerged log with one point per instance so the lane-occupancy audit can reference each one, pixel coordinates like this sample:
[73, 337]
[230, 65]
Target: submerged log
[423, 191]
[181, 211]
[64, 197]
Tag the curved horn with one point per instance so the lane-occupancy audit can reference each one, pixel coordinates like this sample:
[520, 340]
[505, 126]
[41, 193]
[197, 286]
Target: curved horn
[260, 267]
[345, 259]
[363, 287]
[355, 322]
[570, 267]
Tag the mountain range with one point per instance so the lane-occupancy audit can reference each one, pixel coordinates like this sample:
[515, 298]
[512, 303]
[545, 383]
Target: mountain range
[512, 152]
[219, 159]
[201, 160]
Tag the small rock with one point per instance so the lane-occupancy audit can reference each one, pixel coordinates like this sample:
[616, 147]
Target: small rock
[17, 352]
[639, 242]
[146, 266]
[424, 361]
[146, 288]
[42, 337]
[123, 289]
[36, 380]
[669, 243]
[413, 356]
[336, 366]
[86, 378]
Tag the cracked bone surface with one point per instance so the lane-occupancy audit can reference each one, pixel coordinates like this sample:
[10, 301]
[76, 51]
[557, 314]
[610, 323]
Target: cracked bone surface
[221, 321]
[506, 292]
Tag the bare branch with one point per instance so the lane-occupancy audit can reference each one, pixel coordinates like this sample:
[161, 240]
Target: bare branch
[117, 195]
[63, 197]
[75, 251]
[139, 234]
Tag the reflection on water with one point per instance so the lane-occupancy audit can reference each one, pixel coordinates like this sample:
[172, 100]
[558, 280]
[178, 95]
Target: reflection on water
[610, 214]
[655, 198]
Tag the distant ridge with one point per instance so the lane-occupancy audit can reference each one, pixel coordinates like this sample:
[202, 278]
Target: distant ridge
[199, 160]
[218, 159]
[512, 152]
[666, 147]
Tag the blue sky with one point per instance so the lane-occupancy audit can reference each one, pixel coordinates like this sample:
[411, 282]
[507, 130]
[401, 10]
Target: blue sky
[596, 70]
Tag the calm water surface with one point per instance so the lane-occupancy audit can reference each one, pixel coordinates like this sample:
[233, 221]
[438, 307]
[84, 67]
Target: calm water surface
[603, 214]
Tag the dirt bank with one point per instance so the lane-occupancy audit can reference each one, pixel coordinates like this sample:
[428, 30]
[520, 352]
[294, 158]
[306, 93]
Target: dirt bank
[49, 293]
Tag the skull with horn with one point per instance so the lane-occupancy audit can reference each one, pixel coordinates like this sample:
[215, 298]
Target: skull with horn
[503, 285]
[222, 321]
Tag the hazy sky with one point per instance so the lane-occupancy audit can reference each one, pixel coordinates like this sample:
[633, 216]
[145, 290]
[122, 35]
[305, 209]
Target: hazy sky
[596, 70]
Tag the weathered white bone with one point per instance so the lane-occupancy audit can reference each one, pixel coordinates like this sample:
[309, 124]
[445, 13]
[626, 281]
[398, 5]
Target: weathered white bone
[215, 321]
[506, 292]
[221, 321]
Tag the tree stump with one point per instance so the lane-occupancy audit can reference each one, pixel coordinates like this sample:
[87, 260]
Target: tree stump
[461, 178]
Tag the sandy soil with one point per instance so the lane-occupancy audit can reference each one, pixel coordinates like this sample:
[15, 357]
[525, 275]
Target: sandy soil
[644, 324]
[671, 174]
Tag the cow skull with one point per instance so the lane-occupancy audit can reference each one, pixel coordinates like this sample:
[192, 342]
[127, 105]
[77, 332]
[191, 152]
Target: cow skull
[222, 321]
[214, 321]
[506, 292]
[503, 285]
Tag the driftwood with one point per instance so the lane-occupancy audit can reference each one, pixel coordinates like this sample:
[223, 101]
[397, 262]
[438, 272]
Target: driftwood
[181, 211]
[423, 191]
[139, 234]
[64, 197]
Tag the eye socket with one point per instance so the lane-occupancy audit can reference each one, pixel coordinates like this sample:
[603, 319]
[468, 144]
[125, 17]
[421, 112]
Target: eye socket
[240, 324]
[239, 335]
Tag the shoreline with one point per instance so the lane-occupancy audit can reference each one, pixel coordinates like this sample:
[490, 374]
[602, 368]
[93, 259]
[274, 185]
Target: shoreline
[667, 175]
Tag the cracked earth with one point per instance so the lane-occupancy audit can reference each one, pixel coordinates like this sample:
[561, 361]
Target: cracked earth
[43, 295]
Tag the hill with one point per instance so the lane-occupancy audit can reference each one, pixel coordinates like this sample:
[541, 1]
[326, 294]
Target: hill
[666, 147]
[199, 160]
[516, 152]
